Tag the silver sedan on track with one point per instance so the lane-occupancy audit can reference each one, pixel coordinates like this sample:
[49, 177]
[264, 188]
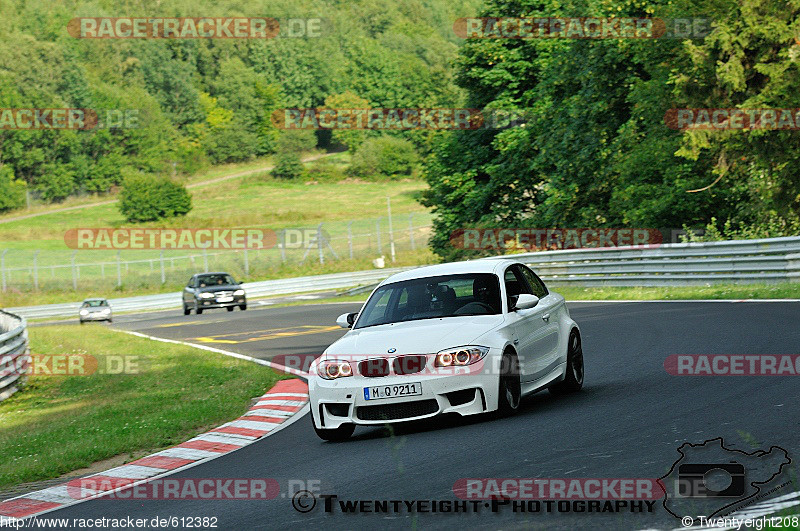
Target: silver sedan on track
[466, 338]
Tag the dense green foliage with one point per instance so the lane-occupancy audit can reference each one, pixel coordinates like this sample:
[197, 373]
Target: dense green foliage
[150, 198]
[196, 102]
[385, 155]
[596, 152]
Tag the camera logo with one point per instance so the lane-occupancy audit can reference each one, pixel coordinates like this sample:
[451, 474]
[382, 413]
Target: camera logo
[711, 479]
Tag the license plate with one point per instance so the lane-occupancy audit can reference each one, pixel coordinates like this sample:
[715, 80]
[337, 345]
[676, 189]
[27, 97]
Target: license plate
[224, 299]
[392, 391]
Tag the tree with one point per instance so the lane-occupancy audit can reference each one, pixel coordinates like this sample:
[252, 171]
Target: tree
[149, 198]
[12, 191]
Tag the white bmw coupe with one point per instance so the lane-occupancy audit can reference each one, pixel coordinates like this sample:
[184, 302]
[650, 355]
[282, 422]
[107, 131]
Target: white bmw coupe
[466, 337]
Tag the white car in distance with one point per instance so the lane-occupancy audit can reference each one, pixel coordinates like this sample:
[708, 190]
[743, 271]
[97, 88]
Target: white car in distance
[465, 337]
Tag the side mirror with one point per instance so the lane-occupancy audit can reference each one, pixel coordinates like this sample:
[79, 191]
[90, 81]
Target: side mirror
[346, 320]
[525, 301]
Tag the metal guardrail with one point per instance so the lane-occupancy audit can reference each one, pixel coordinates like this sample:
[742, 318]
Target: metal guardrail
[165, 301]
[14, 353]
[674, 264]
[738, 261]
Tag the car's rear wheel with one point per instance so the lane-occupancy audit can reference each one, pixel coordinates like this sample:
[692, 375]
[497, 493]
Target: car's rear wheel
[186, 309]
[342, 433]
[243, 307]
[510, 385]
[573, 379]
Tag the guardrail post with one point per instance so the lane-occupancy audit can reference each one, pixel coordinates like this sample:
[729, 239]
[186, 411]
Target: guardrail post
[3, 267]
[74, 272]
[36, 270]
[119, 271]
[378, 234]
[411, 230]
[163, 273]
[350, 238]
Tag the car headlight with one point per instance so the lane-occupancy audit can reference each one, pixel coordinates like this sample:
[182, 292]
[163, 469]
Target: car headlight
[456, 357]
[84, 312]
[106, 311]
[332, 369]
[206, 295]
[238, 292]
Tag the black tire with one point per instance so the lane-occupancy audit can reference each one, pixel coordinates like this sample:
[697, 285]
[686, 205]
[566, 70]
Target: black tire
[186, 310]
[198, 310]
[81, 322]
[510, 386]
[243, 307]
[342, 433]
[230, 308]
[573, 380]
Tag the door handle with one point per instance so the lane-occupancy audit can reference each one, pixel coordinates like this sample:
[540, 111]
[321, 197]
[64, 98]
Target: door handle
[516, 341]
[546, 317]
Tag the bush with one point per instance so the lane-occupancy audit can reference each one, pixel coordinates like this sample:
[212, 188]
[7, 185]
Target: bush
[385, 155]
[288, 166]
[12, 191]
[296, 141]
[150, 198]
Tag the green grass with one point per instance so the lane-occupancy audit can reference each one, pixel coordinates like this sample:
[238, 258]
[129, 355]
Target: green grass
[59, 424]
[787, 290]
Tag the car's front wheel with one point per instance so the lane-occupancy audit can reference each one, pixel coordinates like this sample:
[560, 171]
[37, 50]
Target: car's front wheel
[243, 307]
[573, 379]
[186, 309]
[342, 433]
[510, 386]
[198, 310]
[230, 308]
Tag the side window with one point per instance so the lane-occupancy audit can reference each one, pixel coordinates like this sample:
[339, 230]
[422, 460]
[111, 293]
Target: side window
[515, 282]
[536, 284]
[191, 283]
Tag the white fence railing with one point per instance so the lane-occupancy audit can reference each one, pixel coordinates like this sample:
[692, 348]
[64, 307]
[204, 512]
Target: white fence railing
[14, 353]
[674, 264]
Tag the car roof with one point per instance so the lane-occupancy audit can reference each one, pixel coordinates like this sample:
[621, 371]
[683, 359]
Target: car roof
[452, 268]
[95, 299]
[212, 273]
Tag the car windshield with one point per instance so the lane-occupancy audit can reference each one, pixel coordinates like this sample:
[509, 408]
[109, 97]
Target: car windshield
[214, 280]
[432, 297]
[94, 304]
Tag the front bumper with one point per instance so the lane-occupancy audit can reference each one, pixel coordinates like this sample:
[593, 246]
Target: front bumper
[212, 303]
[95, 317]
[342, 401]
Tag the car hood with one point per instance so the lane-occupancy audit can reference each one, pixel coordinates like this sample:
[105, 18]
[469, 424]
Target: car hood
[425, 336]
[96, 309]
[223, 287]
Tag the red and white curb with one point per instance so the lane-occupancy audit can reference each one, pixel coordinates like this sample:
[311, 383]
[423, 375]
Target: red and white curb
[276, 409]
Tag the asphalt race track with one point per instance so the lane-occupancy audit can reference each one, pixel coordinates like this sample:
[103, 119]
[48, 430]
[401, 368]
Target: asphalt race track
[627, 422]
